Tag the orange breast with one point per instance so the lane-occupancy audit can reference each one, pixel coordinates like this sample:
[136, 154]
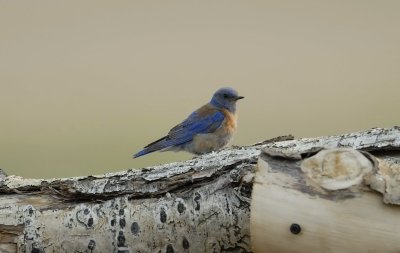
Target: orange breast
[230, 121]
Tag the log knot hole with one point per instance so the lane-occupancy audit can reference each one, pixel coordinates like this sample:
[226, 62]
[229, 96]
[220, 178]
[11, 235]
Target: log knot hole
[295, 229]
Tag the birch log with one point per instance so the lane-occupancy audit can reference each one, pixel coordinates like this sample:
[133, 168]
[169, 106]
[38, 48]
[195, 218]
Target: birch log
[334, 194]
[200, 205]
[203, 205]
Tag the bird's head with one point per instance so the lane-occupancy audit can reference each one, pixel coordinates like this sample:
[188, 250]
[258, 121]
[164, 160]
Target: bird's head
[226, 98]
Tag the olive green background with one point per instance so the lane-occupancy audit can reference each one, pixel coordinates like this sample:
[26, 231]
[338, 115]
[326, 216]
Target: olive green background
[85, 84]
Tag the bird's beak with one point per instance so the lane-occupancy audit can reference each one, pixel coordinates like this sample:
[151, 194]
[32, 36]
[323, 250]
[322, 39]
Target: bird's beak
[238, 97]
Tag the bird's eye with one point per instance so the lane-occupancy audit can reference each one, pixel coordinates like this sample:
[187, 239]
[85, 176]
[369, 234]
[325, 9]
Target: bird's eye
[226, 96]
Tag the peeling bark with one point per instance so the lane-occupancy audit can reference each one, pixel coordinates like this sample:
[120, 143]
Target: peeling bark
[325, 194]
[200, 205]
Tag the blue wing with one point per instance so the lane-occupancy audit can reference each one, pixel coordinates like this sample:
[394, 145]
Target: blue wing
[197, 123]
[205, 120]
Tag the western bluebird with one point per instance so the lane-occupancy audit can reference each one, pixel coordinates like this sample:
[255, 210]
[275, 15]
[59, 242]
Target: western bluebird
[208, 128]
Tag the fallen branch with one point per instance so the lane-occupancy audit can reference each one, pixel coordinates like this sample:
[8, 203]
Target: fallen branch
[199, 205]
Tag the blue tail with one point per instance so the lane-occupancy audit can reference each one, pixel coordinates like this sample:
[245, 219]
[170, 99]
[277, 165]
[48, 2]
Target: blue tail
[152, 147]
[142, 152]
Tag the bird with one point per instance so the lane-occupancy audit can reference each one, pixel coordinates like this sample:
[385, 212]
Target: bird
[207, 129]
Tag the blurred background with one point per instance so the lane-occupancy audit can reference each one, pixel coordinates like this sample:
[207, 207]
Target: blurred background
[85, 84]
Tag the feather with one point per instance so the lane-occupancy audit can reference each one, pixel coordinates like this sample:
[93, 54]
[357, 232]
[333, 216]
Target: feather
[204, 120]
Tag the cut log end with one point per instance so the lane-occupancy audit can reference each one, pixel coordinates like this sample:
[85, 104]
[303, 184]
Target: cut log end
[310, 199]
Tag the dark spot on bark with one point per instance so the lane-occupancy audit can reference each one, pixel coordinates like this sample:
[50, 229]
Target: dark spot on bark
[30, 211]
[295, 228]
[121, 211]
[86, 211]
[123, 251]
[163, 215]
[121, 239]
[185, 243]
[181, 207]
[246, 190]
[135, 228]
[170, 249]
[91, 245]
[113, 222]
[227, 204]
[36, 250]
[197, 198]
[90, 222]
[122, 223]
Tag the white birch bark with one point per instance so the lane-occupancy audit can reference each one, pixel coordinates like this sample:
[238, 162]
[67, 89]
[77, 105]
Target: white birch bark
[343, 198]
[200, 205]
